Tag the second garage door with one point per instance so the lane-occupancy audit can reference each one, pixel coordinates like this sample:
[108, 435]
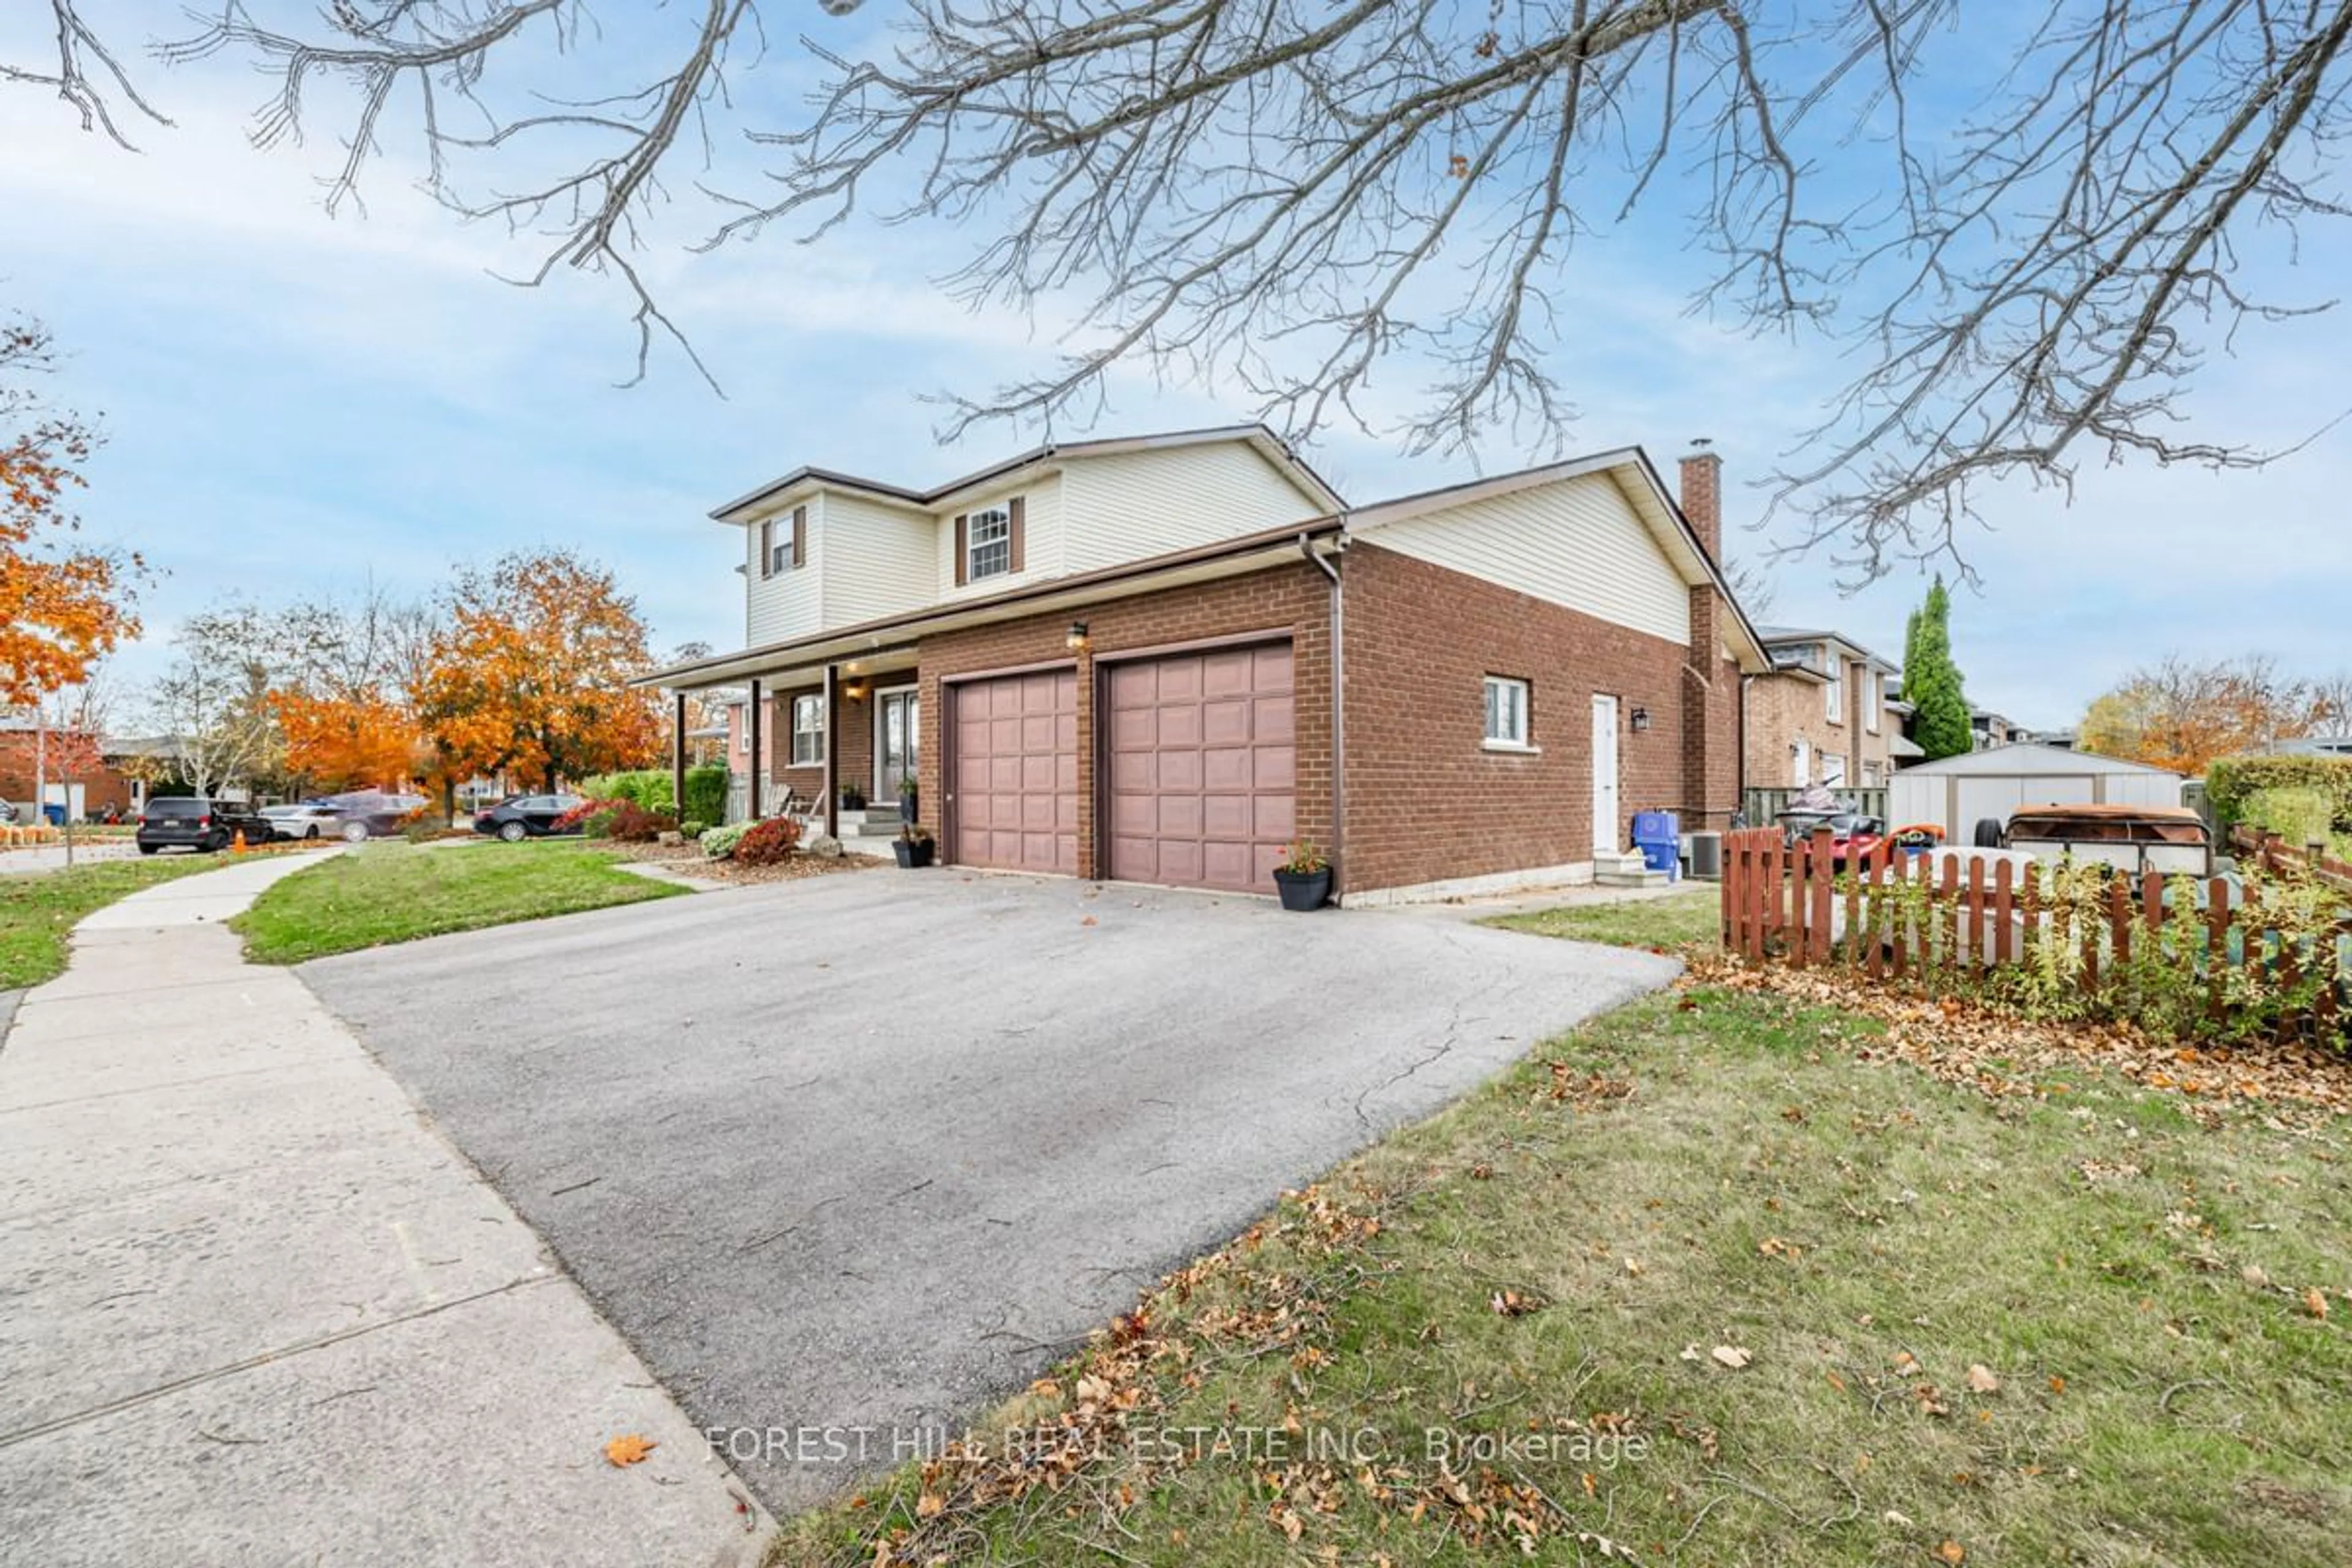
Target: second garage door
[1016, 773]
[1203, 767]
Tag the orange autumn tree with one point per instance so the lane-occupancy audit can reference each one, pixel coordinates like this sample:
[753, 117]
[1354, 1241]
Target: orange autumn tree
[62, 606]
[2181, 714]
[530, 672]
[340, 743]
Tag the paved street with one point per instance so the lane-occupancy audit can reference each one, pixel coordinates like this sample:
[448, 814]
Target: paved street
[864, 1150]
[254, 1311]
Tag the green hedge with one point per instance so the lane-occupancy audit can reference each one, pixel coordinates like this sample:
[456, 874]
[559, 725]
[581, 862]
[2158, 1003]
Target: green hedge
[706, 790]
[2231, 781]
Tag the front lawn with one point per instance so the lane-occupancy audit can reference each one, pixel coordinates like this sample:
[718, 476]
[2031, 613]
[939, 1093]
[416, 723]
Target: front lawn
[1671, 920]
[396, 892]
[1707, 1281]
[39, 908]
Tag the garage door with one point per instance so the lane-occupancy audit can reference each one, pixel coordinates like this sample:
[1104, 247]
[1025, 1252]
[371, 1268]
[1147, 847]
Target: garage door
[1203, 765]
[1016, 773]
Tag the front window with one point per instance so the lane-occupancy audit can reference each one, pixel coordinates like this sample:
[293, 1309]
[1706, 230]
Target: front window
[1870, 700]
[1834, 694]
[1506, 711]
[808, 730]
[987, 543]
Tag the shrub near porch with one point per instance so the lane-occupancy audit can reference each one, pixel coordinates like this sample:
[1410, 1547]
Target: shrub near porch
[1855, 1315]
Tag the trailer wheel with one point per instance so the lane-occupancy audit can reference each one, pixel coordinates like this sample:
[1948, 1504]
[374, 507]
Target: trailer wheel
[1988, 832]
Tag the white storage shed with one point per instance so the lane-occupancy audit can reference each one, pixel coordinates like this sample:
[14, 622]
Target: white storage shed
[1960, 791]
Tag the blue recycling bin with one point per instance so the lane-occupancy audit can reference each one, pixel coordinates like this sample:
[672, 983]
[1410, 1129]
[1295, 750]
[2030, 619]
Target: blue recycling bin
[55, 814]
[1658, 835]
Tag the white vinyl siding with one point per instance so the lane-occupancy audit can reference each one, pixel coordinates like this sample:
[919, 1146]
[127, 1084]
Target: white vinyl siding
[786, 604]
[1577, 542]
[879, 560]
[1041, 536]
[1134, 504]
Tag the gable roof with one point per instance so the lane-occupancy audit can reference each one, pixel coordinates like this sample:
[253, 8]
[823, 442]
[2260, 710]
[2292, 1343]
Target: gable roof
[1628, 466]
[1630, 469]
[1776, 636]
[1268, 445]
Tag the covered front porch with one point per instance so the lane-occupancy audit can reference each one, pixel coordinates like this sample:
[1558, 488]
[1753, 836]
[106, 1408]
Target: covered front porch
[836, 745]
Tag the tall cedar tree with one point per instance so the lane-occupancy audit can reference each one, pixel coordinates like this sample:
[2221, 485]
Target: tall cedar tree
[1931, 681]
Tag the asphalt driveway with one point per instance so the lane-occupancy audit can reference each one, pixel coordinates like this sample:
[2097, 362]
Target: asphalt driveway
[859, 1154]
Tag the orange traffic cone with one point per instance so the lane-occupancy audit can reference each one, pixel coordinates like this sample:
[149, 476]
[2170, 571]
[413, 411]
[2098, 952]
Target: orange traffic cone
[237, 844]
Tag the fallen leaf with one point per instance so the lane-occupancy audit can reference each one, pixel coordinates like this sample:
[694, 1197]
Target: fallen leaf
[1690, 1353]
[1090, 920]
[1511, 1304]
[2252, 1274]
[2314, 1302]
[1633, 1267]
[1982, 1381]
[2057, 1385]
[931, 1505]
[629, 1449]
[1952, 1551]
[1733, 1356]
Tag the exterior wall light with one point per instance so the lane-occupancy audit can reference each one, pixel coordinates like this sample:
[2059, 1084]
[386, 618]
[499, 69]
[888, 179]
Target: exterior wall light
[1641, 720]
[1076, 641]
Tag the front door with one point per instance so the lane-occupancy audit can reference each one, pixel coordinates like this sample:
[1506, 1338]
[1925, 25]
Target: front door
[895, 733]
[1605, 824]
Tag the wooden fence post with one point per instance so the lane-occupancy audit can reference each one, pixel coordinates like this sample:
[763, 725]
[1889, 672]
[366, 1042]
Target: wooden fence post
[2004, 933]
[1824, 884]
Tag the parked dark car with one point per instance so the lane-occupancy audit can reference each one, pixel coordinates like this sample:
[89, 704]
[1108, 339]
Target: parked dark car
[365, 814]
[521, 817]
[184, 822]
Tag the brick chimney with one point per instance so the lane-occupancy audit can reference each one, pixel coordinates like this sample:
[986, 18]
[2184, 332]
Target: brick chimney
[1702, 497]
[1711, 691]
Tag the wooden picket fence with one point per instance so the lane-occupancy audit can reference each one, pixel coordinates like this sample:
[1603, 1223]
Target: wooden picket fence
[1790, 904]
[2277, 856]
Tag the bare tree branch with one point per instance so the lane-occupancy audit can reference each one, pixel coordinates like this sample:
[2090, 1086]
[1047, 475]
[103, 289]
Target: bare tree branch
[76, 47]
[1283, 201]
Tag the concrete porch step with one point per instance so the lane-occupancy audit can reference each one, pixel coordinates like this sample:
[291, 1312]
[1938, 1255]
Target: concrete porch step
[1628, 871]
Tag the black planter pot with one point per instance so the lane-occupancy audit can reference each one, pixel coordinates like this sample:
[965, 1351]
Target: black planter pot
[1304, 891]
[913, 855]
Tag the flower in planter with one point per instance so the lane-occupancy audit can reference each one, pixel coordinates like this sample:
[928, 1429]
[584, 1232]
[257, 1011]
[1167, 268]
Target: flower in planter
[914, 833]
[1301, 858]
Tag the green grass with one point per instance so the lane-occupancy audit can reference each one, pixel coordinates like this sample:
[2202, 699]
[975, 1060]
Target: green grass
[396, 892]
[1676, 920]
[1719, 1169]
[37, 909]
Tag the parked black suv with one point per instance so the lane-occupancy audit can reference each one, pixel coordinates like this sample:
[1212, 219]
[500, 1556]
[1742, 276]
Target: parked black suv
[521, 817]
[179, 821]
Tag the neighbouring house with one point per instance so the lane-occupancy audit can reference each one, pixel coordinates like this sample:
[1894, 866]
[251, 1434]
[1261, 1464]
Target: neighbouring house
[1164, 658]
[2312, 746]
[114, 783]
[1822, 714]
[1989, 730]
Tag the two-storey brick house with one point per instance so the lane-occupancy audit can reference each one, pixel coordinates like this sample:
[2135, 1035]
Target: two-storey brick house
[1823, 715]
[1163, 659]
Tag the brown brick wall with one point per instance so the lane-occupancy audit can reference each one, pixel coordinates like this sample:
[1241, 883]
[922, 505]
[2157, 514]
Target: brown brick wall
[18, 770]
[1282, 600]
[1782, 709]
[1425, 802]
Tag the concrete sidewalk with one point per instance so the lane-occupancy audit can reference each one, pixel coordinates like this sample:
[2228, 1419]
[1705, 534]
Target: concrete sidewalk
[254, 1309]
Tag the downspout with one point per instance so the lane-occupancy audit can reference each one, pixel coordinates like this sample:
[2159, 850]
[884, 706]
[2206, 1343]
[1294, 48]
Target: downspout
[1739, 760]
[1338, 708]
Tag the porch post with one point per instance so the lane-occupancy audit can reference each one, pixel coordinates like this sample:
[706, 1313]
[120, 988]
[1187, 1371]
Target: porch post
[678, 758]
[759, 751]
[832, 750]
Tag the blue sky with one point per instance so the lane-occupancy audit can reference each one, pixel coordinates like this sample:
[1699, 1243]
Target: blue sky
[295, 403]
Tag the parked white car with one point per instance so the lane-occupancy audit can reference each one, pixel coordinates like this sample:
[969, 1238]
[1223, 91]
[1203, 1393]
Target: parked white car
[308, 819]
